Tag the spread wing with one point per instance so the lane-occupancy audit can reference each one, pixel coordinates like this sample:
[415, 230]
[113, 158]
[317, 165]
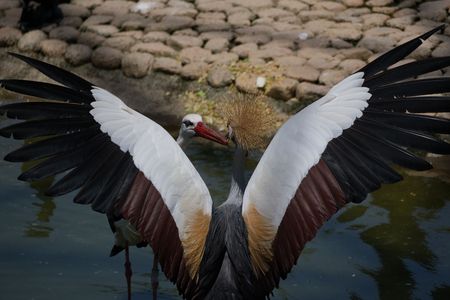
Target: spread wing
[123, 164]
[339, 149]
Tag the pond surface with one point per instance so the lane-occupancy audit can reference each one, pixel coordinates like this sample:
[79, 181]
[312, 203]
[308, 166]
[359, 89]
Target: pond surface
[395, 245]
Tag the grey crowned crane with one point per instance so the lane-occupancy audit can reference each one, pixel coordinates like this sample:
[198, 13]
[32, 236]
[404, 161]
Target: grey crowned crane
[334, 151]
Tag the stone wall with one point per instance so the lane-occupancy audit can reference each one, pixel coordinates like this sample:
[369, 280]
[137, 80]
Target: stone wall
[297, 48]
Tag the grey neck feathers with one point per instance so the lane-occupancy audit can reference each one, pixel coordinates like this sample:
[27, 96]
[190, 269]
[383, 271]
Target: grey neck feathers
[238, 182]
[182, 140]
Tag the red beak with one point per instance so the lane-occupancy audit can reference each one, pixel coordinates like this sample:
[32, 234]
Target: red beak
[210, 134]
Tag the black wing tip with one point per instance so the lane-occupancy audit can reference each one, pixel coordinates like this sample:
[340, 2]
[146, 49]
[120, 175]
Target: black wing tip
[12, 157]
[26, 177]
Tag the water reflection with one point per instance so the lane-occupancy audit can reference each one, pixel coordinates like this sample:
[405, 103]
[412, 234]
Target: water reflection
[40, 227]
[402, 239]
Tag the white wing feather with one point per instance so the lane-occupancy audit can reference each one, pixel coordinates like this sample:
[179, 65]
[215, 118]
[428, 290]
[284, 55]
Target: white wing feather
[156, 154]
[299, 144]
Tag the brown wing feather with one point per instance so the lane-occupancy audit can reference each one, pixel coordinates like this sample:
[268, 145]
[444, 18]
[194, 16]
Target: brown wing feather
[179, 260]
[318, 197]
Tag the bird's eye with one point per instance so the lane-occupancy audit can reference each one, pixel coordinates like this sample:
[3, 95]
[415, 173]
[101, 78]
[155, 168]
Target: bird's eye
[188, 123]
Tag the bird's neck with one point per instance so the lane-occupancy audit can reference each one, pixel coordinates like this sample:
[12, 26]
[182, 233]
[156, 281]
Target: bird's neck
[238, 178]
[182, 140]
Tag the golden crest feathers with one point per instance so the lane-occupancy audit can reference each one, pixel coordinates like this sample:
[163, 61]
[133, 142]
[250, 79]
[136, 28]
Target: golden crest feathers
[251, 119]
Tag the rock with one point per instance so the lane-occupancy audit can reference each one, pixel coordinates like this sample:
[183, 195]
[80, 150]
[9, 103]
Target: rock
[353, 3]
[405, 12]
[155, 36]
[9, 36]
[136, 64]
[30, 40]
[159, 13]
[301, 73]
[280, 43]
[180, 42]
[270, 53]
[206, 36]
[273, 13]
[53, 47]
[244, 49]
[194, 70]
[379, 2]
[347, 34]
[72, 10]
[134, 25]
[401, 22]
[331, 77]
[224, 58]
[443, 49]
[220, 77]
[211, 25]
[283, 89]
[120, 21]
[180, 3]
[97, 20]
[211, 15]
[433, 10]
[120, 42]
[351, 65]
[309, 15]
[9, 21]
[313, 52]
[214, 6]
[186, 32]
[309, 92]
[374, 20]
[107, 58]
[323, 62]
[240, 19]
[253, 4]
[171, 24]
[115, 8]
[87, 3]
[285, 61]
[356, 53]
[388, 10]
[13, 12]
[157, 49]
[217, 45]
[65, 33]
[383, 31]
[135, 34]
[91, 39]
[377, 43]
[340, 44]
[7, 4]
[103, 30]
[246, 83]
[78, 54]
[293, 5]
[329, 5]
[260, 38]
[167, 65]
[71, 21]
[195, 54]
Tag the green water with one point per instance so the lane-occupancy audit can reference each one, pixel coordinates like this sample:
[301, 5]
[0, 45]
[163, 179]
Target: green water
[395, 245]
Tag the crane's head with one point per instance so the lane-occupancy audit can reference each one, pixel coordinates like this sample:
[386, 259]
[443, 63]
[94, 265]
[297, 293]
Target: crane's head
[250, 120]
[192, 126]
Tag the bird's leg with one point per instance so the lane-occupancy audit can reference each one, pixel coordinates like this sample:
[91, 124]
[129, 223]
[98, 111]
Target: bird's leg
[155, 281]
[128, 271]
